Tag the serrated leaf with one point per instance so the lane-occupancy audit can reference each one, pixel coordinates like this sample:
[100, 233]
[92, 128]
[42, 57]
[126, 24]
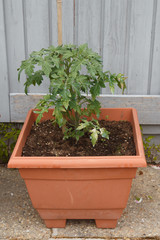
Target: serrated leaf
[119, 75]
[66, 104]
[54, 76]
[76, 65]
[46, 97]
[29, 69]
[46, 68]
[76, 88]
[59, 117]
[83, 46]
[67, 55]
[83, 125]
[37, 78]
[95, 90]
[94, 136]
[39, 118]
[56, 61]
[94, 107]
[111, 88]
[104, 133]
[102, 84]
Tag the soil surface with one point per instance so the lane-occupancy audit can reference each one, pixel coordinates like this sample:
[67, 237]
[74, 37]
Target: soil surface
[46, 139]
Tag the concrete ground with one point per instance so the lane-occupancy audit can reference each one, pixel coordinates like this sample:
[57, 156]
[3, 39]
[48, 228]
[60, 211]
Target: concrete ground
[140, 220]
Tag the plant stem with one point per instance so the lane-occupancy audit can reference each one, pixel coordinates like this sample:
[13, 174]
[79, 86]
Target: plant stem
[63, 128]
[77, 119]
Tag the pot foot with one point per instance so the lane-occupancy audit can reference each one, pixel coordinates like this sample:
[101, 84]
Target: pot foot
[50, 223]
[106, 223]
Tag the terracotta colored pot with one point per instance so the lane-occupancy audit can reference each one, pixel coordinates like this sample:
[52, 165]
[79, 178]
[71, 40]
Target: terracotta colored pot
[63, 188]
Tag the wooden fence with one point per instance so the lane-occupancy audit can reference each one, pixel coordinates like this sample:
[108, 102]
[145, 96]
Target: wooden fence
[126, 33]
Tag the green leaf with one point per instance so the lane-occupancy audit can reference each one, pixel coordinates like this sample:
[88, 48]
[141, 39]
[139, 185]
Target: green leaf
[67, 55]
[19, 73]
[29, 69]
[94, 136]
[56, 61]
[95, 90]
[46, 68]
[76, 65]
[83, 47]
[94, 107]
[39, 117]
[76, 88]
[111, 88]
[104, 133]
[149, 138]
[83, 125]
[37, 78]
[66, 104]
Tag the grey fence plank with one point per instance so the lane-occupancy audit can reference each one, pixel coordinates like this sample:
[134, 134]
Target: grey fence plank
[148, 106]
[67, 21]
[155, 78]
[37, 24]
[88, 23]
[4, 87]
[37, 31]
[20, 104]
[115, 29]
[53, 32]
[139, 46]
[14, 42]
[151, 129]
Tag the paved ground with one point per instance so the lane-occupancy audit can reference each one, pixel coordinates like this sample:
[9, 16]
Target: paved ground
[19, 221]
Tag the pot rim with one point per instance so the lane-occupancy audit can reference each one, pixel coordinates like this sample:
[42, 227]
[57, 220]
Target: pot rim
[81, 162]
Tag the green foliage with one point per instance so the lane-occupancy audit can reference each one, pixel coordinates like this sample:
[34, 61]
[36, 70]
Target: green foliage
[8, 138]
[93, 128]
[70, 86]
[150, 149]
[147, 145]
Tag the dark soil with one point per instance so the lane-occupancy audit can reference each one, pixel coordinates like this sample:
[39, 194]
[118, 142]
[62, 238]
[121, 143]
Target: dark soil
[46, 139]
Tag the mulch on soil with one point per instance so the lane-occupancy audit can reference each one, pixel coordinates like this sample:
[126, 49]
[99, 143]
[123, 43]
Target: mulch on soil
[46, 139]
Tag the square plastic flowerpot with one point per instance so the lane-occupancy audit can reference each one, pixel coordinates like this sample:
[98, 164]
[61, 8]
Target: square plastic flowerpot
[90, 187]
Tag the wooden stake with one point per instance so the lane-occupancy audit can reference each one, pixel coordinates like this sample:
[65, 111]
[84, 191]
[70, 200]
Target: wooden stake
[59, 20]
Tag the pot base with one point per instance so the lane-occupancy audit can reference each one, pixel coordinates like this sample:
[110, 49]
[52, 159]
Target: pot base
[103, 218]
[106, 223]
[58, 223]
[100, 223]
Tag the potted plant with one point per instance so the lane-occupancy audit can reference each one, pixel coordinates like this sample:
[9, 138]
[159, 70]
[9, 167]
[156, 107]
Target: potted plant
[72, 187]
